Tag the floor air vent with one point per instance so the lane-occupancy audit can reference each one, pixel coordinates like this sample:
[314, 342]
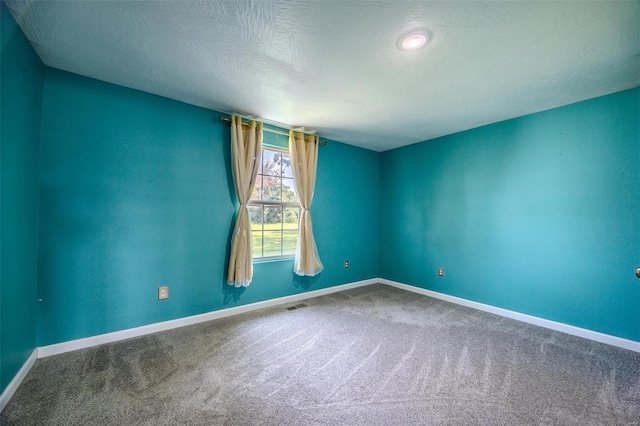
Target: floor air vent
[298, 306]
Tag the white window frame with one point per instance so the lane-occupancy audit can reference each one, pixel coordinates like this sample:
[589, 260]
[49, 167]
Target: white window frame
[274, 203]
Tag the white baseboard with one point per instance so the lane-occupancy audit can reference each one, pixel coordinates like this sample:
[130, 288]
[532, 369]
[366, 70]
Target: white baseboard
[569, 329]
[17, 379]
[72, 345]
[58, 348]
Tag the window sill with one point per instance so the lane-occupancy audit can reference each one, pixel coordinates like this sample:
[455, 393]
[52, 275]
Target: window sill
[272, 259]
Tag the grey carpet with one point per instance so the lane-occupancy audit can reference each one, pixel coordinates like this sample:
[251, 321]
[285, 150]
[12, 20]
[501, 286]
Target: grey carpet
[374, 355]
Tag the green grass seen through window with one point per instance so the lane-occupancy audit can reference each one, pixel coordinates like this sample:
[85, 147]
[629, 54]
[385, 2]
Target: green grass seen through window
[274, 239]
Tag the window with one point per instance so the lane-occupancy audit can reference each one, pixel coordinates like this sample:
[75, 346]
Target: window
[274, 208]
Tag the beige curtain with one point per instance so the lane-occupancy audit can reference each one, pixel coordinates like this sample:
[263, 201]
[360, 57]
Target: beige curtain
[304, 161]
[246, 144]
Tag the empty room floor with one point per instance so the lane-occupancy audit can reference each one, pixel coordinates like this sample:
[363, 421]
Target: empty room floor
[374, 355]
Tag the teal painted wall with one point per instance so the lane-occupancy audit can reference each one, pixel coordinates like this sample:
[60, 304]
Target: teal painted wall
[136, 192]
[21, 76]
[539, 214]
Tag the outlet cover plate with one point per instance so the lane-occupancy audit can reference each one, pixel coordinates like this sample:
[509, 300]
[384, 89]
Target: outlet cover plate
[163, 292]
[441, 272]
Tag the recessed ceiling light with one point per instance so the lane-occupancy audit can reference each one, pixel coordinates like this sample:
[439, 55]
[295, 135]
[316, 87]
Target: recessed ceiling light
[414, 40]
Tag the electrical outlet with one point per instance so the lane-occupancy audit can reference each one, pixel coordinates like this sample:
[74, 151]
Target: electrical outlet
[346, 264]
[163, 292]
[441, 272]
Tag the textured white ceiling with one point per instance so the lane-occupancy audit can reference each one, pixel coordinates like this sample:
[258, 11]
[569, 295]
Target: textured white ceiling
[334, 66]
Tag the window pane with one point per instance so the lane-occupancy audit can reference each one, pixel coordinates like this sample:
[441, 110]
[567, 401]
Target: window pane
[278, 160]
[289, 239]
[290, 218]
[271, 163]
[287, 171]
[272, 218]
[271, 188]
[288, 194]
[256, 243]
[255, 216]
[272, 243]
[257, 191]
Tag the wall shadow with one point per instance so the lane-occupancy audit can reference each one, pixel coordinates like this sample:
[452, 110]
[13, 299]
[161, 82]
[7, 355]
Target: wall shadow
[231, 293]
[305, 282]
